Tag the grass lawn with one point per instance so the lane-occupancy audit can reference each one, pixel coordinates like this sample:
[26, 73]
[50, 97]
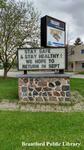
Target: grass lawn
[16, 127]
[77, 85]
[81, 72]
[9, 88]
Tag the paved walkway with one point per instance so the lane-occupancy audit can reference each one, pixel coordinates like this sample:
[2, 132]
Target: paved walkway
[11, 73]
[16, 73]
[77, 76]
[8, 106]
[16, 107]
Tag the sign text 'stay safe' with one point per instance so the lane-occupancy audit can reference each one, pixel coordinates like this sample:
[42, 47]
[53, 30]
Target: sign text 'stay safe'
[41, 58]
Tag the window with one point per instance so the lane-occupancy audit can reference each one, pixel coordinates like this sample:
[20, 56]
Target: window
[82, 51]
[82, 65]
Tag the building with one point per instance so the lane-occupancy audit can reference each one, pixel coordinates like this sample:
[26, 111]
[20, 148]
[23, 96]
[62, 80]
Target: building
[76, 58]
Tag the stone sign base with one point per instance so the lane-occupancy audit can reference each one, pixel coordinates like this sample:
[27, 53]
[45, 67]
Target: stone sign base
[44, 87]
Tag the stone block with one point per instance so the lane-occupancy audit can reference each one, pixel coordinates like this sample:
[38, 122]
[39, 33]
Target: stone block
[62, 93]
[58, 83]
[25, 99]
[25, 80]
[39, 99]
[58, 88]
[42, 83]
[50, 93]
[35, 93]
[30, 94]
[31, 83]
[20, 82]
[38, 89]
[56, 93]
[68, 81]
[24, 94]
[52, 99]
[31, 89]
[45, 98]
[24, 89]
[47, 89]
[44, 94]
[65, 88]
[40, 93]
[51, 84]
[68, 94]
[31, 98]
[63, 81]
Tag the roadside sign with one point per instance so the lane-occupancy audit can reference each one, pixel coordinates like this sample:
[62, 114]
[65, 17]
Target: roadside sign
[41, 58]
[52, 32]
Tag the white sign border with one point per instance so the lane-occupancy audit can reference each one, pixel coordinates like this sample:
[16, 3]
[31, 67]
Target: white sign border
[43, 69]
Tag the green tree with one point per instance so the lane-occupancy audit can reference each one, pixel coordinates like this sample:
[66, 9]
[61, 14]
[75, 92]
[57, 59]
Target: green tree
[78, 41]
[19, 27]
[2, 3]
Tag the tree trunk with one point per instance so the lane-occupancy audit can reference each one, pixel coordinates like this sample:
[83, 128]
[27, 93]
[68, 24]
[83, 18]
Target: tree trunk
[5, 73]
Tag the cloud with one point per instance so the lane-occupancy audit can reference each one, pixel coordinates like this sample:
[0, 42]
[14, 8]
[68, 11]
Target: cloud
[70, 11]
[76, 10]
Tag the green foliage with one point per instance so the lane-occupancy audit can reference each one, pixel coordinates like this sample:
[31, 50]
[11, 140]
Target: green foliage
[19, 26]
[78, 41]
[2, 3]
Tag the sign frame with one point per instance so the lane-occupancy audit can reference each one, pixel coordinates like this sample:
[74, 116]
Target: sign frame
[53, 69]
[44, 34]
